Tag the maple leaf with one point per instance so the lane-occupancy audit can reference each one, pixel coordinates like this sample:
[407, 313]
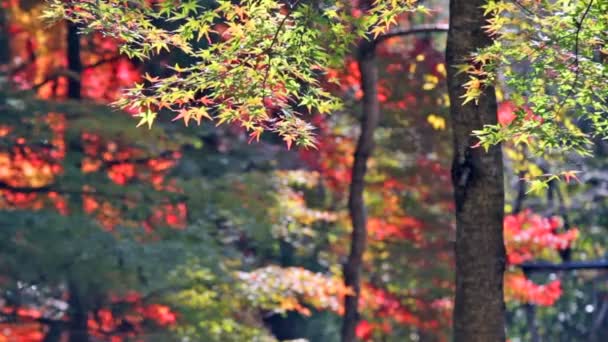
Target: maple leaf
[146, 118]
[571, 174]
[183, 114]
[288, 140]
[537, 186]
[148, 78]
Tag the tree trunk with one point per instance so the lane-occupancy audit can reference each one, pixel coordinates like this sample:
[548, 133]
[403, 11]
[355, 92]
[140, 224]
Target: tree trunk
[5, 46]
[78, 325]
[477, 177]
[356, 206]
[54, 332]
[74, 61]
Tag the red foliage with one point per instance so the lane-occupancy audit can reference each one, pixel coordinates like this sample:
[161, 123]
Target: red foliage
[389, 310]
[507, 112]
[407, 228]
[350, 82]
[26, 332]
[130, 323]
[333, 159]
[520, 288]
[528, 235]
[28, 169]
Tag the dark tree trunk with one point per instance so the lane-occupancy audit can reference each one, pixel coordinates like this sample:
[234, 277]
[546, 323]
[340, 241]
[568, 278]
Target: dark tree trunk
[78, 328]
[54, 332]
[477, 177]
[356, 206]
[78, 316]
[370, 117]
[5, 55]
[74, 62]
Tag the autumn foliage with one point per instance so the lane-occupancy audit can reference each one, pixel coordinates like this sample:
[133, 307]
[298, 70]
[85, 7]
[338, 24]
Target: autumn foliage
[282, 236]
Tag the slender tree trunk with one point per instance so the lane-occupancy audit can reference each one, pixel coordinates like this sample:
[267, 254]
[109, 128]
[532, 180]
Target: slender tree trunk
[531, 321]
[78, 326]
[74, 61]
[356, 206]
[477, 177]
[53, 333]
[5, 52]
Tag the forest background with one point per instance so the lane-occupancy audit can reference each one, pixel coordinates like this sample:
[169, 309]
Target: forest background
[113, 232]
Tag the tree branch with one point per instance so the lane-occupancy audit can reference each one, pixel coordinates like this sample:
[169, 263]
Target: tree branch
[440, 28]
[541, 266]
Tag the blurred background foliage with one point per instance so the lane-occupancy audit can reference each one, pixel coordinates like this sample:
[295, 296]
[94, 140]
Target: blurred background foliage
[116, 233]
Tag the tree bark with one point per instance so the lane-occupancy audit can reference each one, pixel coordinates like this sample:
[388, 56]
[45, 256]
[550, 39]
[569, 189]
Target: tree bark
[477, 177]
[356, 205]
[78, 324]
[74, 61]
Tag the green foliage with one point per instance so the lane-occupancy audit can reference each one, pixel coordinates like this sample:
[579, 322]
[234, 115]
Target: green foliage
[257, 63]
[551, 57]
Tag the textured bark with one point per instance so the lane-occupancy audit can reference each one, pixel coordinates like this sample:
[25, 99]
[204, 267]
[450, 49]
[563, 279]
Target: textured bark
[356, 206]
[477, 177]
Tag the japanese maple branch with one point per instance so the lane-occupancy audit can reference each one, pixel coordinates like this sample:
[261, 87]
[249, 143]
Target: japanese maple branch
[576, 63]
[275, 39]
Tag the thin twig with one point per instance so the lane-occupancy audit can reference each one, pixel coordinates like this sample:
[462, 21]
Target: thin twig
[576, 63]
[275, 38]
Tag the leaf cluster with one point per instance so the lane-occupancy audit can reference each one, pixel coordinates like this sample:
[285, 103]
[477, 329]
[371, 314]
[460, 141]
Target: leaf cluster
[551, 56]
[256, 63]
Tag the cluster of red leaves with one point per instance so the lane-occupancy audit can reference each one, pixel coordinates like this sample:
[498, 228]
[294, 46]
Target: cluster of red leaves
[333, 159]
[32, 166]
[393, 223]
[124, 165]
[105, 322]
[103, 82]
[507, 113]
[406, 227]
[26, 332]
[40, 52]
[172, 215]
[529, 235]
[522, 289]
[389, 310]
